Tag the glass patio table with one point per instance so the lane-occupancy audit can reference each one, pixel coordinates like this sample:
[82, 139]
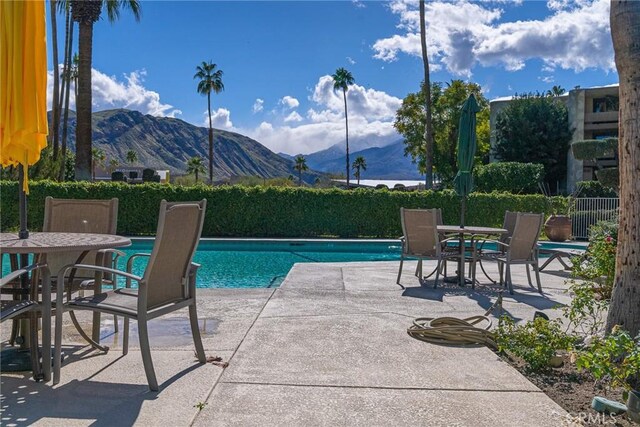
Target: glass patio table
[50, 242]
[472, 231]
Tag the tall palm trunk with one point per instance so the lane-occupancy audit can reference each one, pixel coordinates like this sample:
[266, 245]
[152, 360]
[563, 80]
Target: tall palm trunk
[210, 140]
[67, 94]
[346, 122]
[428, 129]
[55, 125]
[83, 102]
[625, 301]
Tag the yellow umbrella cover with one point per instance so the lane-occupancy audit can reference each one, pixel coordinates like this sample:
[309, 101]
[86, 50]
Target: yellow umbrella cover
[23, 83]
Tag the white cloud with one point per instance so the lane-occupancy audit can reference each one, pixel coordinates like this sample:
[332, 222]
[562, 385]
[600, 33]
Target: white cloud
[108, 92]
[358, 3]
[462, 34]
[220, 119]
[293, 117]
[350, 60]
[258, 105]
[371, 115]
[289, 102]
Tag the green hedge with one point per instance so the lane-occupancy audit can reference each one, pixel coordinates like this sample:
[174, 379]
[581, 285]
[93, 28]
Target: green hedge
[236, 211]
[513, 177]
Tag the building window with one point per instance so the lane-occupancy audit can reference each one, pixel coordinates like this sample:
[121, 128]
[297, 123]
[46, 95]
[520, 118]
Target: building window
[606, 103]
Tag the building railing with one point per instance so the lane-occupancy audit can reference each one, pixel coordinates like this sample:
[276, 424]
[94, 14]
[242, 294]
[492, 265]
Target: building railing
[586, 211]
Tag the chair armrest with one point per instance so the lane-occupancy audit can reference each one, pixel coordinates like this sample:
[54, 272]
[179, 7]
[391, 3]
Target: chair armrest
[63, 271]
[17, 273]
[134, 256]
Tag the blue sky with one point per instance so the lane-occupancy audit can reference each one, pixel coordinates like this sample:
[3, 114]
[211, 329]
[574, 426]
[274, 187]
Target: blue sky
[276, 57]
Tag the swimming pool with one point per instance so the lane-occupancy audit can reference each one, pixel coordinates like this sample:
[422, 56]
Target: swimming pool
[264, 263]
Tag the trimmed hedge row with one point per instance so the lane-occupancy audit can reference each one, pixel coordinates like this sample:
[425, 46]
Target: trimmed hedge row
[237, 211]
[513, 177]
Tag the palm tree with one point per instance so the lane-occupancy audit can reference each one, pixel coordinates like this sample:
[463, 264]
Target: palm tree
[341, 80]
[625, 302]
[55, 122]
[195, 166]
[113, 165]
[210, 80]
[428, 128]
[69, 73]
[132, 157]
[556, 91]
[85, 13]
[300, 166]
[97, 159]
[359, 164]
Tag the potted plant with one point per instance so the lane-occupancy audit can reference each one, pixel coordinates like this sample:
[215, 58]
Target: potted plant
[558, 227]
[615, 360]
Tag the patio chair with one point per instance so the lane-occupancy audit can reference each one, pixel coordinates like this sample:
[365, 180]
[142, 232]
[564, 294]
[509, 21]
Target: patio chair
[81, 216]
[521, 248]
[421, 240]
[509, 224]
[13, 309]
[168, 284]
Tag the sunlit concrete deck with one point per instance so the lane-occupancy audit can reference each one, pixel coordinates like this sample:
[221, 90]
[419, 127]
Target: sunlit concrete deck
[329, 347]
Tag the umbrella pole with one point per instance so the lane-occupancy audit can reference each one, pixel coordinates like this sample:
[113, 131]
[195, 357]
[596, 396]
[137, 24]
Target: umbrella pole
[461, 279]
[22, 202]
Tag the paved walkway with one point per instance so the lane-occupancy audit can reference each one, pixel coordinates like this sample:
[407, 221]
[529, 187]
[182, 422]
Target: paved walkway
[329, 347]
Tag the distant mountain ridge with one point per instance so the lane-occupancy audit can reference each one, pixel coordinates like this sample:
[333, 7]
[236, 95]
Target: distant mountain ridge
[388, 162]
[168, 143]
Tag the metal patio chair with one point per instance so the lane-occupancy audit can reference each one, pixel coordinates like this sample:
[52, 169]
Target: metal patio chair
[168, 284]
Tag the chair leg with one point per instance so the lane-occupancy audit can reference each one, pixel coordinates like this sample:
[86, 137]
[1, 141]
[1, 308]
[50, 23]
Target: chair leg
[526, 266]
[195, 332]
[14, 332]
[400, 270]
[34, 349]
[501, 272]
[115, 323]
[537, 270]
[125, 337]
[145, 349]
[508, 279]
[435, 284]
[57, 350]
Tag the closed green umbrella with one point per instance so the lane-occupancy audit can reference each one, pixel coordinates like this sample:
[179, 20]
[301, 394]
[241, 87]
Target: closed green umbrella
[466, 151]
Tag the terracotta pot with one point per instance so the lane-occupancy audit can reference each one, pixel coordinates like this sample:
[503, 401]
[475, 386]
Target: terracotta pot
[558, 228]
[633, 406]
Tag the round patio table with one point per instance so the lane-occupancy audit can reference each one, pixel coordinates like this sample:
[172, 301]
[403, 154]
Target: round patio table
[468, 231]
[49, 242]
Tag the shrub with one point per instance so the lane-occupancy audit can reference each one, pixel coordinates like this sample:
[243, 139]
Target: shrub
[614, 359]
[236, 211]
[595, 189]
[534, 342]
[513, 177]
[600, 262]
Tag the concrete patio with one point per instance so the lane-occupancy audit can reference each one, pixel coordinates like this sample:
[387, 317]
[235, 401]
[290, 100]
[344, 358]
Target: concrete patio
[329, 347]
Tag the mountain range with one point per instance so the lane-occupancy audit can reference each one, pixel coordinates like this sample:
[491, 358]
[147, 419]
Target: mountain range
[388, 162]
[168, 143]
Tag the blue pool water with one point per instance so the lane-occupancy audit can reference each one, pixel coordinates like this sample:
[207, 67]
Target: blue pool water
[265, 263]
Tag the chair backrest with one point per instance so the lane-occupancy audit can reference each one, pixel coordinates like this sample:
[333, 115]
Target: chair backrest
[509, 224]
[419, 227]
[78, 216]
[166, 277]
[525, 236]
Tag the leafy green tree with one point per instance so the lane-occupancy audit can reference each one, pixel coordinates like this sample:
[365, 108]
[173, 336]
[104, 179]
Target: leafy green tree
[132, 157]
[359, 164]
[195, 166]
[97, 159]
[209, 80]
[556, 90]
[341, 81]
[86, 13]
[535, 129]
[447, 101]
[300, 166]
